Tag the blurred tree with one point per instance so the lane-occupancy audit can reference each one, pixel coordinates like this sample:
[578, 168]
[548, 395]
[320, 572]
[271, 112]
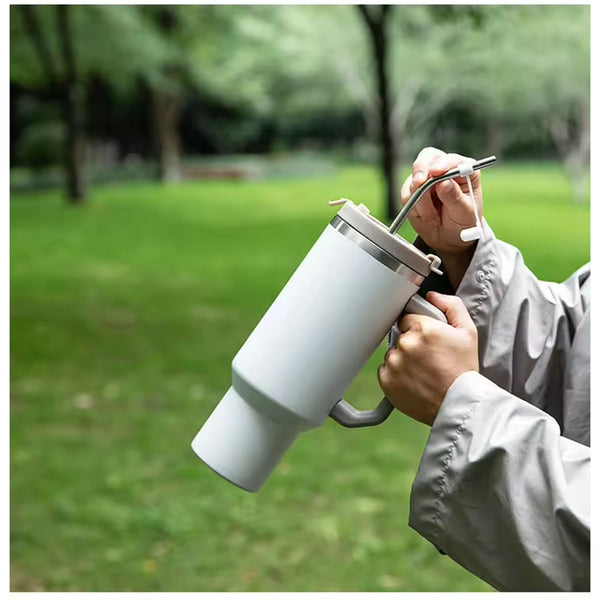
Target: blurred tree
[414, 81]
[274, 63]
[41, 145]
[377, 21]
[533, 71]
[56, 50]
[72, 114]
[167, 90]
[61, 83]
[522, 71]
[270, 77]
[200, 44]
[560, 59]
[428, 66]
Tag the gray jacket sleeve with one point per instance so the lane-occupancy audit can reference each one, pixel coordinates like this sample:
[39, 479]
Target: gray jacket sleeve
[533, 335]
[499, 489]
[502, 493]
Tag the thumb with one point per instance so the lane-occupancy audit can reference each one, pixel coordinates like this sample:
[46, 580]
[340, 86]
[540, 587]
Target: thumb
[454, 309]
[452, 196]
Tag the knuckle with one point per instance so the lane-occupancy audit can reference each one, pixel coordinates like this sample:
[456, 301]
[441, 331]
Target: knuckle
[418, 326]
[431, 335]
[425, 156]
[460, 158]
[407, 342]
[426, 330]
[394, 358]
[429, 150]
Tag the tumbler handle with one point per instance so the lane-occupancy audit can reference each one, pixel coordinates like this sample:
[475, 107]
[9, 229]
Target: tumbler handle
[348, 416]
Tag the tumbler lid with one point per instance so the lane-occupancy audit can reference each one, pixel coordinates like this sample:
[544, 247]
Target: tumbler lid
[359, 218]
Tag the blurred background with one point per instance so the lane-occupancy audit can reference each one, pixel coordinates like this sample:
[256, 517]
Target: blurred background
[169, 168]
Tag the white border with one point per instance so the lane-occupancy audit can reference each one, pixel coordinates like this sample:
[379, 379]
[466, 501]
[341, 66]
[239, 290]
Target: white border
[291, 595]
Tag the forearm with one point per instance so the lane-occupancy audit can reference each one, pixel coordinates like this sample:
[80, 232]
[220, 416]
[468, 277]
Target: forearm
[502, 493]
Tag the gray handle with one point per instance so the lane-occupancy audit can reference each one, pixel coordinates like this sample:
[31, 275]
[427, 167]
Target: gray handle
[348, 416]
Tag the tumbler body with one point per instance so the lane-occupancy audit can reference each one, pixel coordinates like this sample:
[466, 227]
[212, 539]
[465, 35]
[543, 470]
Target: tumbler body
[301, 357]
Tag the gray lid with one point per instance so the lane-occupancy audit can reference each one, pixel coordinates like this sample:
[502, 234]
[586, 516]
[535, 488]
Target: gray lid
[359, 218]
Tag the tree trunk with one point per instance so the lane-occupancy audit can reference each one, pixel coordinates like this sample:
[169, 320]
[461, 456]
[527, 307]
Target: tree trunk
[573, 143]
[71, 112]
[388, 153]
[62, 88]
[376, 23]
[495, 137]
[580, 184]
[166, 109]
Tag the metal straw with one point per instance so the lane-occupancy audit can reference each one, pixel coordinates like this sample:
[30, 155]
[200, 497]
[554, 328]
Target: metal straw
[418, 193]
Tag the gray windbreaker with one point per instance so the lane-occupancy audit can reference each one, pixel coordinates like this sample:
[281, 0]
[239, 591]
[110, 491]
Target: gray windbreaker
[503, 486]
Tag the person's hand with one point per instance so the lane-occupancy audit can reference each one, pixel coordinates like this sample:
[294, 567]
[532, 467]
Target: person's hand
[446, 209]
[429, 356]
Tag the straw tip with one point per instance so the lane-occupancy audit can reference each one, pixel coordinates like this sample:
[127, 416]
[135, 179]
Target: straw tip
[484, 162]
[337, 202]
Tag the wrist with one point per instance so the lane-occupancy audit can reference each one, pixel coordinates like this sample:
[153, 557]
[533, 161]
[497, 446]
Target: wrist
[456, 264]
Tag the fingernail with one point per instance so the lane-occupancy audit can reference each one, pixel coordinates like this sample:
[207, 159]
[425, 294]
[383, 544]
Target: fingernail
[419, 177]
[439, 166]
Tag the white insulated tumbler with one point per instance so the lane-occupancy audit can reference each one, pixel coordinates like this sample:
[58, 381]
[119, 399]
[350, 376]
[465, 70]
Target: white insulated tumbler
[311, 343]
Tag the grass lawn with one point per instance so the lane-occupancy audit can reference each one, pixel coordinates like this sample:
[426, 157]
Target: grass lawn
[125, 316]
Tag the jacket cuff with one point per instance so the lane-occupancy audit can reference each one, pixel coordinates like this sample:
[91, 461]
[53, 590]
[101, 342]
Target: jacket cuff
[431, 482]
[480, 281]
[482, 277]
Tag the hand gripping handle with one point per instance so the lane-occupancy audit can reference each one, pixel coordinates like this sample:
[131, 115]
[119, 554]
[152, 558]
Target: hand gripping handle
[348, 416]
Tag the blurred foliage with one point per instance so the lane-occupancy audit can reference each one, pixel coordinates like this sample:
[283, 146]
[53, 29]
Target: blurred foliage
[42, 145]
[283, 71]
[41, 141]
[111, 42]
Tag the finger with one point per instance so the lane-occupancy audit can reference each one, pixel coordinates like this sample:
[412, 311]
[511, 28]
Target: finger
[393, 358]
[458, 159]
[407, 343]
[454, 309]
[383, 375]
[390, 351]
[386, 374]
[449, 192]
[451, 195]
[475, 181]
[406, 190]
[446, 162]
[408, 187]
[411, 323]
[421, 165]
[427, 211]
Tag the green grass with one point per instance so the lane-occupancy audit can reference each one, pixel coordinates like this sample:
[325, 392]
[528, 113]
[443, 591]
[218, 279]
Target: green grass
[125, 315]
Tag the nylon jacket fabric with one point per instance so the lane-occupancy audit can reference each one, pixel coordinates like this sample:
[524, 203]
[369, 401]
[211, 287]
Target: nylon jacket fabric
[503, 486]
